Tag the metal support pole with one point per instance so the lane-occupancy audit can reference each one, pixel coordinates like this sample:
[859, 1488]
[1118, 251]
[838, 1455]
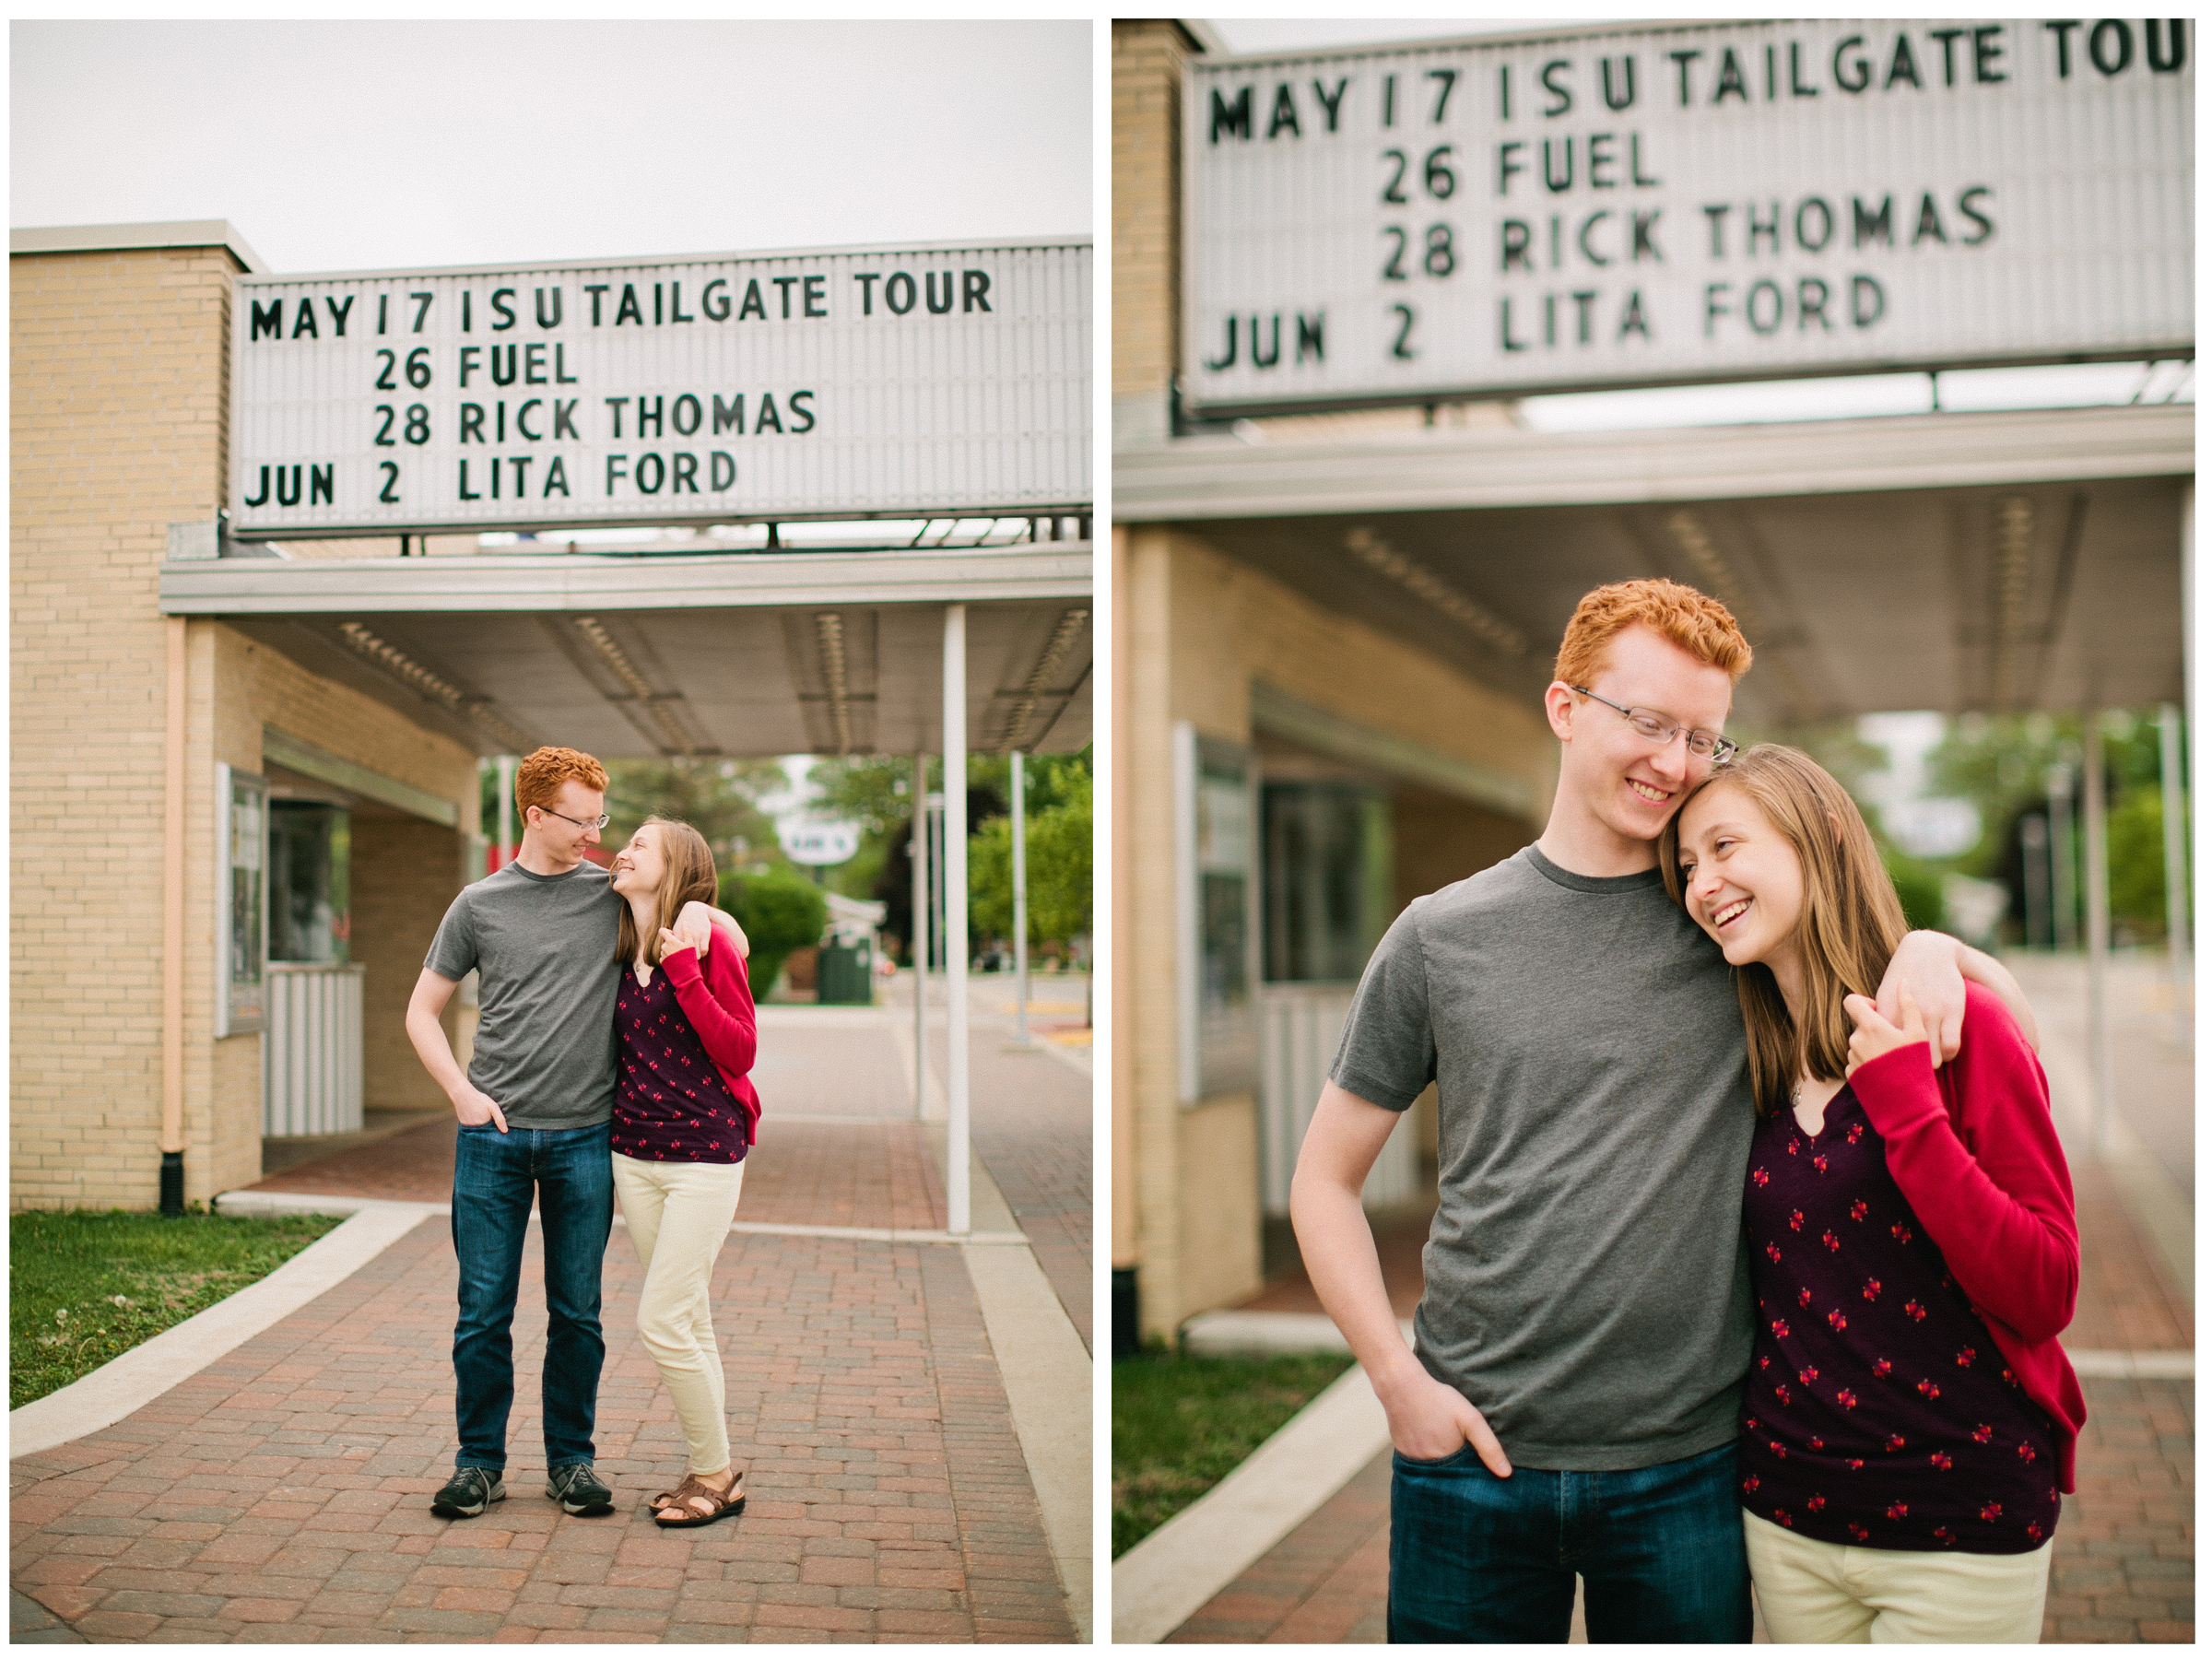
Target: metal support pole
[2097, 880]
[956, 918]
[2035, 881]
[1021, 906]
[2174, 813]
[2189, 710]
[917, 948]
[506, 809]
[2059, 782]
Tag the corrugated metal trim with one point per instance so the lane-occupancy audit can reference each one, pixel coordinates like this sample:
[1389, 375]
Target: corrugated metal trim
[583, 582]
[314, 1055]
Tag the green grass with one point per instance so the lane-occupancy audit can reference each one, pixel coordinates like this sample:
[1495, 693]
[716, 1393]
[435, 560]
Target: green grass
[85, 1286]
[1182, 1421]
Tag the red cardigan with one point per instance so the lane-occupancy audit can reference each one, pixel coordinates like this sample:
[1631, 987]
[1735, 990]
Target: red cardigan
[1974, 1152]
[718, 1001]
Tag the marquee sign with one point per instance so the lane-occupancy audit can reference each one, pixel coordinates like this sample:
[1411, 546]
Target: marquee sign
[837, 384]
[1647, 206]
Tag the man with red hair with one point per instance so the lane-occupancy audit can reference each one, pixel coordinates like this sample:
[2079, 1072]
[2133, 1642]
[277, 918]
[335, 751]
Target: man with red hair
[1570, 1403]
[533, 1111]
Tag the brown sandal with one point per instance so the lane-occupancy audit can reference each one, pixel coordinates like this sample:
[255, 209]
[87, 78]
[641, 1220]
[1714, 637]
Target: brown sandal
[729, 1501]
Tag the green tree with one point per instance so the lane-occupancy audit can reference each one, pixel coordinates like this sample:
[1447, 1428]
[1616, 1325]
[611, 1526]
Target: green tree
[1058, 842]
[871, 792]
[1919, 885]
[715, 796]
[781, 912]
[2136, 843]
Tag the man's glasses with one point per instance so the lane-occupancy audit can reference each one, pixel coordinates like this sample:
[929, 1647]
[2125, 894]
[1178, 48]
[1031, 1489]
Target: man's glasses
[1657, 727]
[601, 820]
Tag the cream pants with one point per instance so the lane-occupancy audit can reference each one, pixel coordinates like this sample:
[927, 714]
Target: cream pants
[678, 1214]
[1813, 1591]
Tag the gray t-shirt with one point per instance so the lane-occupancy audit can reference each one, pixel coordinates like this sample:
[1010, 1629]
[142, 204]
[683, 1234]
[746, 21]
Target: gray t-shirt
[1588, 1286]
[543, 950]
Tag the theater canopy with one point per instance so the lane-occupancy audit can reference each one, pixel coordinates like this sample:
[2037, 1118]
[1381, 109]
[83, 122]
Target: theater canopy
[834, 384]
[1599, 206]
[656, 654]
[2015, 561]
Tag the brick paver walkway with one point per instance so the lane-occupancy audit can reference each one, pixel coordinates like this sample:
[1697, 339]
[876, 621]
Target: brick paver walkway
[2123, 1560]
[282, 1494]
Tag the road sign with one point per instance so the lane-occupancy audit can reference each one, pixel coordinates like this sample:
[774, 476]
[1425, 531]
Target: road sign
[820, 843]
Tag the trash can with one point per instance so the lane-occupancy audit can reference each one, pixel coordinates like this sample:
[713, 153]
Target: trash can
[845, 973]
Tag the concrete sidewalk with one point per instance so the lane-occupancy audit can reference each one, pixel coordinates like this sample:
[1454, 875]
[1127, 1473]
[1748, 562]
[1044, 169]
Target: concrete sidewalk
[2124, 1562]
[281, 1493]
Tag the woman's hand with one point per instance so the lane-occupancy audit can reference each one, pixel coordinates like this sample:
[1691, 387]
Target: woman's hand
[1874, 1036]
[671, 944]
[1929, 964]
[696, 922]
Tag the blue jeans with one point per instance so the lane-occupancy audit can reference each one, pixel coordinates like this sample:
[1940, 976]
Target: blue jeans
[493, 1176]
[1476, 1558]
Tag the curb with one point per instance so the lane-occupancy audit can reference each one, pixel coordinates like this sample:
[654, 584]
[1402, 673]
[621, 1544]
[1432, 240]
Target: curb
[2138, 1365]
[1232, 1331]
[1179, 1568]
[145, 1373]
[253, 1202]
[1047, 1375]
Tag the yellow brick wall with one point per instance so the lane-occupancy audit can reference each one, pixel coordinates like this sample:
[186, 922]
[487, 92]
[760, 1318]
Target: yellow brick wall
[116, 413]
[1201, 628]
[1438, 839]
[1148, 55]
[1145, 988]
[1123, 982]
[403, 880]
[117, 378]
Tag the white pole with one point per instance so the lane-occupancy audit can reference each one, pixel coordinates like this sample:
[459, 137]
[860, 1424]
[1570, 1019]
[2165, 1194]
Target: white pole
[1021, 908]
[917, 948]
[506, 809]
[2035, 879]
[2189, 710]
[2096, 878]
[2174, 813]
[956, 918]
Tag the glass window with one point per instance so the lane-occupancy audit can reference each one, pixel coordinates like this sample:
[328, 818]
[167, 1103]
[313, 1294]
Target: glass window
[310, 902]
[1326, 872]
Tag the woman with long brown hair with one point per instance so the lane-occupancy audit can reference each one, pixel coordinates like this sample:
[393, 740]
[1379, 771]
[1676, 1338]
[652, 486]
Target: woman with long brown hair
[685, 1117]
[1909, 1417]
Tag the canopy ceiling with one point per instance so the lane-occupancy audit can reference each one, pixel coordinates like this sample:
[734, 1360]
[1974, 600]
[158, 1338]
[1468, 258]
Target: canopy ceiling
[2010, 564]
[738, 654]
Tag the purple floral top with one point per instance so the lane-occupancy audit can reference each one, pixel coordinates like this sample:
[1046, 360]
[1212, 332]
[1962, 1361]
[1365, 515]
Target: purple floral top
[1879, 1410]
[670, 1103]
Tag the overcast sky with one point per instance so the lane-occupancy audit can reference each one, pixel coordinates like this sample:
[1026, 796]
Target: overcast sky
[1287, 34]
[347, 146]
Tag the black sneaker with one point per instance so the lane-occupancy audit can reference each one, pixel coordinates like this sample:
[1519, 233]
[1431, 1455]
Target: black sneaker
[579, 1490]
[468, 1493]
